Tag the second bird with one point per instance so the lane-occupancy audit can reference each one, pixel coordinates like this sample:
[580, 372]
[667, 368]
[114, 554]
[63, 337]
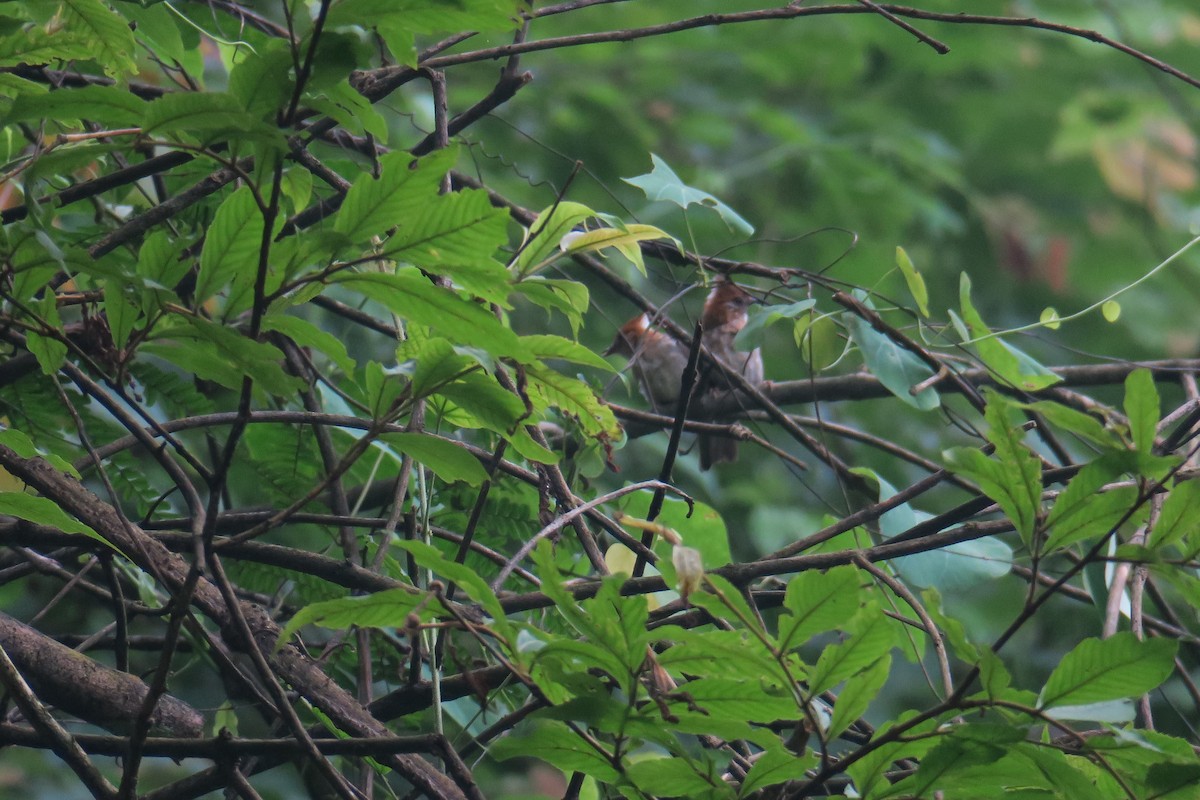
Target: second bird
[723, 317]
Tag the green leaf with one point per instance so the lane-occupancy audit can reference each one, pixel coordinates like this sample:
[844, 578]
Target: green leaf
[1007, 362]
[1179, 519]
[556, 744]
[624, 239]
[374, 205]
[306, 334]
[1083, 425]
[1108, 669]
[857, 694]
[817, 602]
[448, 460]
[475, 587]
[896, 368]
[23, 446]
[573, 397]
[740, 699]
[543, 239]
[420, 16]
[915, 281]
[218, 353]
[1013, 477]
[1082, 511]
[232, 244]
[547, 347]
[386, 609]
[192, 112]
[105, 105]
[569, 297]
[661, 183]
[773, 766]
[870, 641]
[1111, 310]
[409, 295]
[43, 511]
[462, 228]
[696, 778]
[120, 313]
[262, 81]
[112, 43]
[351, 110]
[760, 318]
[1142, 408]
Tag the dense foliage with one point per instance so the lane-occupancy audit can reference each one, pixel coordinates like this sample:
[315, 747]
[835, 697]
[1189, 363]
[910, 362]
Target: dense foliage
[314, 479]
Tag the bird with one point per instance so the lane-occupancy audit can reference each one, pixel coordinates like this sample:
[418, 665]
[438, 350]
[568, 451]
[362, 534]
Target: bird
[658, 361]
[723, 316]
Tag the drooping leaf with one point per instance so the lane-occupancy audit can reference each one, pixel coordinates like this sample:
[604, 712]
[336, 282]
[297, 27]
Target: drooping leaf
[1142, 408]
[857, 694]
[105, 105]
[760, 318]
[43, 511]
[449, 461]
[1118, 667]
[1008, 363]
[547, 231]
[386, 609]
[896, 368]
[915, 281]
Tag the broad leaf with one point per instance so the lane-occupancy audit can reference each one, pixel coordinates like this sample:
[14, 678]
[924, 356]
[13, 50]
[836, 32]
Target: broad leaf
[662, 183]
[1098, 670]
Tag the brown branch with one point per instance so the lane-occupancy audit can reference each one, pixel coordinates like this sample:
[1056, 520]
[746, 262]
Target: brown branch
[793, 11]
[293, 666]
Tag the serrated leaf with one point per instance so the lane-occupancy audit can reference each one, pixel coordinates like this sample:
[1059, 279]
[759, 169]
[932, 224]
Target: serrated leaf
[1081, 511]
[112, 42]
[547, 346]
[409, 295]
[224, 355]
[306, 334]
[232, 244]
[695, 778]
[896, 368]
[448, 460]
[105, 105]
[120, 313]
[857, 694]
[1179, 519]
[1142, 408]
[915, 281]
[556, 744]
[419, 16]
[448, 230]
[386, 609]
[191, 112]
[873, 637]
[818, 602]
[262, 81]
[1098, 670]
[661, 183]
[773, 766]
[374, 205]
[573, 397]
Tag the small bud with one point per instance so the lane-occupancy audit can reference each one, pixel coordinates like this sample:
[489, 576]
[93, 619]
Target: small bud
[689, 569]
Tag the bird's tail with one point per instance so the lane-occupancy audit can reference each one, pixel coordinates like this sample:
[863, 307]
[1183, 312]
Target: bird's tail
[717, 449]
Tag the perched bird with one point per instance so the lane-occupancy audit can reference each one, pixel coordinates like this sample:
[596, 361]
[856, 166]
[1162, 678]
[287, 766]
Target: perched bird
[658, 361]
[724, 315]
